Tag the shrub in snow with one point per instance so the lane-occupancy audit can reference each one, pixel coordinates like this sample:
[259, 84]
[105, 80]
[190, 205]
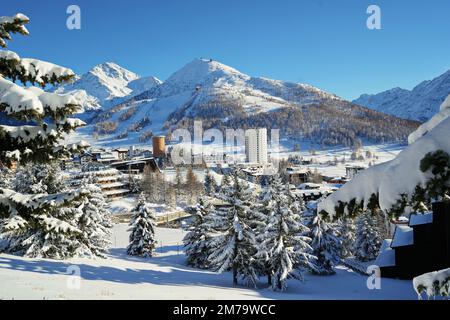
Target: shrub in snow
[283, 246]
[142, 236]
[368, 240]
[326, 245]
[40, 216]
[234, 247]
[433, 284]
[197, 239]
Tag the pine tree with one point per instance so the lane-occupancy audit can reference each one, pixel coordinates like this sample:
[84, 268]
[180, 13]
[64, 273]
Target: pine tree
[94, 222]
[39, 224]
[39, 178]
[142, 236]
[46, 113]
[225, 186]
[6, 178]
[326, 246]
[284, 242]
[210, 184]
[44, 226]
[368, 240]
[197, 240]
[234, 247]
[347, 231]
[267, 206]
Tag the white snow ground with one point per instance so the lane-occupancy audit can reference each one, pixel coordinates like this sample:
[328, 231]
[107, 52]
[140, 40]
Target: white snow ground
[166, 276]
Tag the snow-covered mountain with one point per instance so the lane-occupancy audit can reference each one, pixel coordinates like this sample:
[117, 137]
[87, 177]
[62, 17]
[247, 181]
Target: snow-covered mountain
[420, 104]
[223, 96]
[107, 84]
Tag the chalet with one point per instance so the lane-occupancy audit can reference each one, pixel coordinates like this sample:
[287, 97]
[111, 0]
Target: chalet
[122, 153]
[135, 165]
[86, 157]
[335, 180]
[108, 157]
[297, 175]
[420, 247]
[314, 191]
[113, 183]
[352, 171]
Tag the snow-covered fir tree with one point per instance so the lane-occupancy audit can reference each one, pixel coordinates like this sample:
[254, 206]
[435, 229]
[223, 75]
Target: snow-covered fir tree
[266, 207]
[225, 186]
[234, 247]
[142, 236]
[40, 224]
[210, 184]
[197, 239]
[39, 178]
[326, 245]
[368, 239]
[284, 242]
[94, 222]
[347, 231]
[51, 231]
[6, 178]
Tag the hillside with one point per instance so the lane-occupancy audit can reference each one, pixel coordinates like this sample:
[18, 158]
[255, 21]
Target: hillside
[222, 96]
[106, 85]
[420, 104]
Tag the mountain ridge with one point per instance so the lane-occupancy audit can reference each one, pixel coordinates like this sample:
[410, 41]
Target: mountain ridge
[421, 103]
[222, 96]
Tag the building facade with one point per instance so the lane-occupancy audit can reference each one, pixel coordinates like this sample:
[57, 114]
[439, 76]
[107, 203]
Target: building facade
[256, 146]
[159, 146]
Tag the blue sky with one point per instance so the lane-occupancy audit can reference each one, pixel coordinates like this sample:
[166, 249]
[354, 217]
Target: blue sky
[321, 42]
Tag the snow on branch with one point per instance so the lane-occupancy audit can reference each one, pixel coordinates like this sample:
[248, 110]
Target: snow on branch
[12, 199]
[433, 284]
[44, 72]
[9, 56]
[14, 24]
[16, 100]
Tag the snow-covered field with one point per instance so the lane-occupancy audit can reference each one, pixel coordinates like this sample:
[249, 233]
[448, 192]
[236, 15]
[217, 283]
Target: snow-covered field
[166, 276]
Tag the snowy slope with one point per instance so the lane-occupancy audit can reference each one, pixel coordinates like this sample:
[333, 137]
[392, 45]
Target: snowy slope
[166, 276]
[420, 104]
[401, 175]
[143, 84]
[105, 85]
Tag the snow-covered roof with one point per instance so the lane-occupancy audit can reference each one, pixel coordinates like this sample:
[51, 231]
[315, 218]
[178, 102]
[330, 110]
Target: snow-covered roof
[386, 258]
[113, 185]
[115, 192]
[403, 236]
[418, 219]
